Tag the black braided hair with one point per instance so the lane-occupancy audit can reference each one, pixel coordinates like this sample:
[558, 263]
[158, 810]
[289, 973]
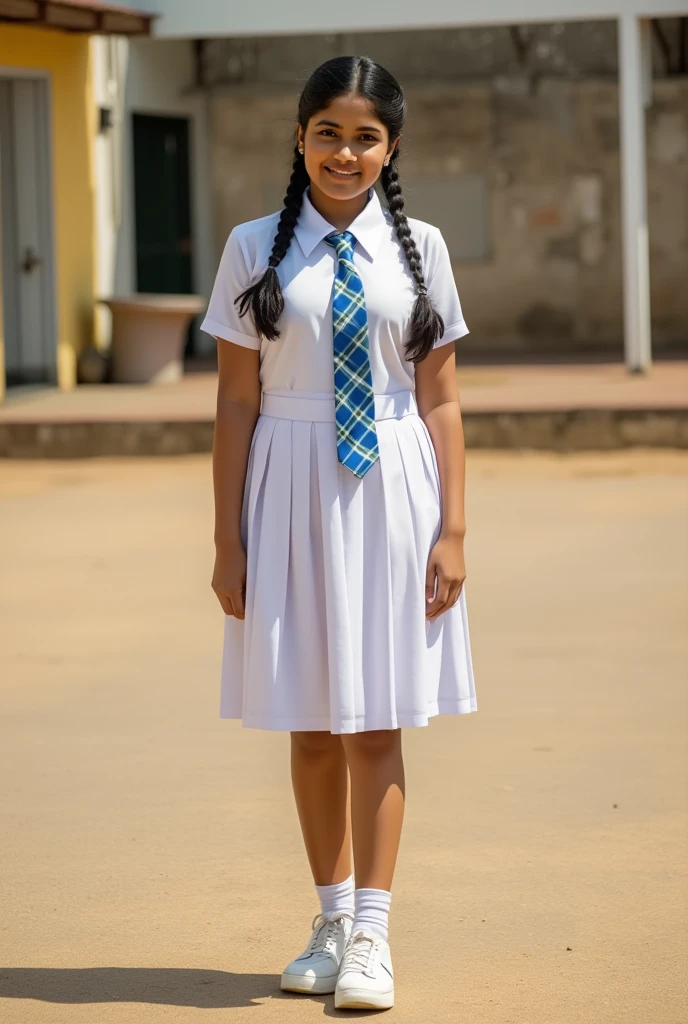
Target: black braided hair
[345, 76]
[264, 298]
[426, 324]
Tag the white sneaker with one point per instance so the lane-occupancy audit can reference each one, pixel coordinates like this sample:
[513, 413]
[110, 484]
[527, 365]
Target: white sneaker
[317, 968]
[366, 978]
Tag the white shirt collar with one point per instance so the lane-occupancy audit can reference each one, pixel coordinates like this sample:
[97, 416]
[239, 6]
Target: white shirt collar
[312, 227]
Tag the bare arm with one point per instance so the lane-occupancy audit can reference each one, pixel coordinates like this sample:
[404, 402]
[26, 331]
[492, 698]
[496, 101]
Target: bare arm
[238, 406]
[438, 404]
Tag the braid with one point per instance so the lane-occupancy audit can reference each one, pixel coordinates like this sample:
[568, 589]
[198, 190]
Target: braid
[426, 322]
[264, 298]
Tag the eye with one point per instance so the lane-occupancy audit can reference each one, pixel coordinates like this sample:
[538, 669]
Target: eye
[369, 138]
[326, 131]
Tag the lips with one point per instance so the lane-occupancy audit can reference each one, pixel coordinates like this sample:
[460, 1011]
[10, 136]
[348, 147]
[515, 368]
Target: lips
[342, 174]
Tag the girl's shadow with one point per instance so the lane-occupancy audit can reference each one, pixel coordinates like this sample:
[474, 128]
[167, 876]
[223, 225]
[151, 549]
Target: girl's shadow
[163, 985]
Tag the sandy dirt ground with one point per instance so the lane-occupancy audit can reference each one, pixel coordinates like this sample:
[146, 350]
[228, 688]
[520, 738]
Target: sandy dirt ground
[151, 865]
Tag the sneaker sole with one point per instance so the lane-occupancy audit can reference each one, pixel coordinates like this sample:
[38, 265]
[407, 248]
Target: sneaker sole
[308, 985]
[361, 999]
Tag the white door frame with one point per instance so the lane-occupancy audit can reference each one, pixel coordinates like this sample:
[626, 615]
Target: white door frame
[47, 210]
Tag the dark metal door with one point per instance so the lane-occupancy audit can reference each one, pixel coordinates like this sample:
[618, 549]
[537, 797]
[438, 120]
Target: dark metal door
[162, 204]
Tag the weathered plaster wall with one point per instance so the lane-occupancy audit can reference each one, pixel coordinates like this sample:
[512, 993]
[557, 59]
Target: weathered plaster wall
[549, 154]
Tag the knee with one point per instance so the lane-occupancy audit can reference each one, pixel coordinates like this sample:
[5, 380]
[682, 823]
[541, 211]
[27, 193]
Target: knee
[316, 746]
[372, 746]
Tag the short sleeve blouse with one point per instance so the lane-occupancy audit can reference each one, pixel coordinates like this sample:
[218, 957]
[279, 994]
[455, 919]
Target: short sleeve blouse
[301, 359]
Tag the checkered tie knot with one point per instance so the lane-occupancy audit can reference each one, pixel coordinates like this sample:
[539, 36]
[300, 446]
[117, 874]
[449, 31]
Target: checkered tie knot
[354, 398]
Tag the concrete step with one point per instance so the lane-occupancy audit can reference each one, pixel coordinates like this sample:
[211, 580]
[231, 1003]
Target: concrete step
[554, 407]
[573, 430]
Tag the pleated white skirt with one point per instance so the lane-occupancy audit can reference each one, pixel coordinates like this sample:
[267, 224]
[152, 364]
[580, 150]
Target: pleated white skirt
[335, 636]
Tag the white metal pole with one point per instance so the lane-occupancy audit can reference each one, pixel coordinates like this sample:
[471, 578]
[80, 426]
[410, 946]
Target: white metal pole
[635, 85]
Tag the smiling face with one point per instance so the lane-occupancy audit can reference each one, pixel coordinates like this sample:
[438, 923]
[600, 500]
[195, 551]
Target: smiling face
[345, 146]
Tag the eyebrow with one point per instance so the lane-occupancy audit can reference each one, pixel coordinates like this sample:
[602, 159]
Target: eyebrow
[362, 128]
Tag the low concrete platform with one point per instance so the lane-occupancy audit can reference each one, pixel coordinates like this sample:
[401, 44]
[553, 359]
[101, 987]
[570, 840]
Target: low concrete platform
[549, 407]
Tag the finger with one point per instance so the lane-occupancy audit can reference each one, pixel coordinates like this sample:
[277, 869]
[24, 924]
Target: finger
[435, 606]
[237, 602]
[454, 592]
[225, 599]
[430, 576]
[452, 598]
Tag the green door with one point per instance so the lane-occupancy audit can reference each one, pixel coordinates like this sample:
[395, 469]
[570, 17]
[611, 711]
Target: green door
[163, 216]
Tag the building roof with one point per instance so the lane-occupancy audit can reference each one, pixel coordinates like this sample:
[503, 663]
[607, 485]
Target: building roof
[89, 16]
[218, 18]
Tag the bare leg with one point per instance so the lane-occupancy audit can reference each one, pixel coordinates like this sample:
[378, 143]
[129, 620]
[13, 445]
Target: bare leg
[321, 790]
[378, 787]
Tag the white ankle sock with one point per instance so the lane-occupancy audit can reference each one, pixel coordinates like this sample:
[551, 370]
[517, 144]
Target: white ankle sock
[339, 896]
[372, 910]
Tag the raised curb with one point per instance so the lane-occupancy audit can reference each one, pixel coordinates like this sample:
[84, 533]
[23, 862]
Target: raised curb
[578, 429]
[573, 430]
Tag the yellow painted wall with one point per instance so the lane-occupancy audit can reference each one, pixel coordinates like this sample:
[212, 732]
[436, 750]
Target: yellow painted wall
[2, 325]
[66, 58]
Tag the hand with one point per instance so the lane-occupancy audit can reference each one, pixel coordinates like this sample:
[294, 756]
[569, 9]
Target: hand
[229, 579]
[445, 565]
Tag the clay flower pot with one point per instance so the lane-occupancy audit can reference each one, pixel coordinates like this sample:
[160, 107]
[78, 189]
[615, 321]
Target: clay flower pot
[148, 336]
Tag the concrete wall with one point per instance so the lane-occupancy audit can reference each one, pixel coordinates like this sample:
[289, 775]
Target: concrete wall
[551, 279]
[570, 50]
[585, 49]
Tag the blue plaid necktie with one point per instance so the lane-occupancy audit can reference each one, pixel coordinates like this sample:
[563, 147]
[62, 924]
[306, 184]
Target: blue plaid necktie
[353, 383]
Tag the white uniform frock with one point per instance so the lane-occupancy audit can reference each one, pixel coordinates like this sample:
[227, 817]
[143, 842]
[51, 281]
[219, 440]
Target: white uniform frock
[335, 636]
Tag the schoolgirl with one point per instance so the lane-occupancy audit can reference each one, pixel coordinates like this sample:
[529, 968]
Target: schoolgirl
[338, 467]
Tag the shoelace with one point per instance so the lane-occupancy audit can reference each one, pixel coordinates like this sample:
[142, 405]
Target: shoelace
[325, 930]
[360, 952]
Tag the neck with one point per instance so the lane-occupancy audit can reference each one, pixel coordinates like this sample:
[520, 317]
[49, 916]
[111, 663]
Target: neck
[338, 212]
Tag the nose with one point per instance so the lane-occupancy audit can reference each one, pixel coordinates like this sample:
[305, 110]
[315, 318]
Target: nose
[344, 155]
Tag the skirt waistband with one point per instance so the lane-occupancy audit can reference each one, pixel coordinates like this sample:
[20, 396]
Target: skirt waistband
[310, 405]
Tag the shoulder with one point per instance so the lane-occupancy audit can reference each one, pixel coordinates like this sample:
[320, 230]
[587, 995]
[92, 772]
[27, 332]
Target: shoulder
[256, 229]
[430, 244]
[252, 240]
[427, 237]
